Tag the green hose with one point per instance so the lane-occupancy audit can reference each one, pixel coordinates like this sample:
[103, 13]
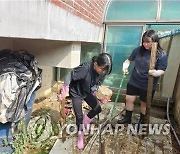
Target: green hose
[117, 96]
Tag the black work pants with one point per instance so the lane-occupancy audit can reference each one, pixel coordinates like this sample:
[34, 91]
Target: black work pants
[92, 101]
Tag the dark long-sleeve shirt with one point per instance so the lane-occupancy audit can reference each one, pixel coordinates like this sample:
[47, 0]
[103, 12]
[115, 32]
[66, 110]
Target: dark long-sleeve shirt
[83, 80]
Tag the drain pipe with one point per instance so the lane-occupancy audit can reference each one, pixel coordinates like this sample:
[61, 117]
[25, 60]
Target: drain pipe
[177, 139]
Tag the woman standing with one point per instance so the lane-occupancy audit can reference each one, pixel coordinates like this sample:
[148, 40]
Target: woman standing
[82, 83]
[137, 85]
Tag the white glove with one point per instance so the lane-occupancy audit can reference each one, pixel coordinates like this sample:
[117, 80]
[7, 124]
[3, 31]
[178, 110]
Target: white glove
[125, 67]
[156, 73]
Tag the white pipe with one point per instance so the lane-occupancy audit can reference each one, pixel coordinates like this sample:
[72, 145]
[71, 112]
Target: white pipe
[177, 139]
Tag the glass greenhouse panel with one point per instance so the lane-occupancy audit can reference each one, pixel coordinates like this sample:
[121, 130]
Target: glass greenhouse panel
[132, 10]
[170, 10]
[120, 42]
[163, 27]
[89, 50]
[166, 30]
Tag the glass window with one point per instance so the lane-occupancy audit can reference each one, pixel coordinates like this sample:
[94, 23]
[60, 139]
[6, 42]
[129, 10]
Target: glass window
[132, 10]
[89, 50]
[163, 27]
[170, 10]
[120, 42]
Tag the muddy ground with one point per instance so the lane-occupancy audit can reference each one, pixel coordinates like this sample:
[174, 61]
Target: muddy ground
[119, 143]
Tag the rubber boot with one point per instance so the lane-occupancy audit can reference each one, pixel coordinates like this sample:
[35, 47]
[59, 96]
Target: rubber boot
[126, 119]
[80, 141]
[86, 122]
[141, 120]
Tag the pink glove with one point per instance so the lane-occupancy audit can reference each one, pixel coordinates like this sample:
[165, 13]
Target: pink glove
[95, 93]
[64, 91]
[66, 111]
[105, 99]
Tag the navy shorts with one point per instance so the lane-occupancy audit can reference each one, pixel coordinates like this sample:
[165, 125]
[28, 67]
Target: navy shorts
[134, 91]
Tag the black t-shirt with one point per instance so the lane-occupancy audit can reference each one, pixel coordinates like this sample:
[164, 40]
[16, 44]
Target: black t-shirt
[139, 77]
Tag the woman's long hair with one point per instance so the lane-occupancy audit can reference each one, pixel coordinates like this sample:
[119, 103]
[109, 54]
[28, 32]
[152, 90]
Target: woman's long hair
[151, 34]
[104, 59]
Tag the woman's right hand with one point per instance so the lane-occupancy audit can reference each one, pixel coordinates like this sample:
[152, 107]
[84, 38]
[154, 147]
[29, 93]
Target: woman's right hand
[64, 91]
[125, 66]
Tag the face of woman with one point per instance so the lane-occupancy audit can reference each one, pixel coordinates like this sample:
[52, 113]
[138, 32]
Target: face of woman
[147, 43]
[100, 69]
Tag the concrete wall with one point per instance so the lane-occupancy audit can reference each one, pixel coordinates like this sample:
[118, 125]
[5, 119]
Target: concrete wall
[177, 99]
[42, 19]
[52, 53]
[171, 81]
[172, 69]
[47, 79]
[48, 53]
[6, 43]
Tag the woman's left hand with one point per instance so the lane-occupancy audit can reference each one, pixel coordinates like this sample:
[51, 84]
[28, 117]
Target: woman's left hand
[156, 73]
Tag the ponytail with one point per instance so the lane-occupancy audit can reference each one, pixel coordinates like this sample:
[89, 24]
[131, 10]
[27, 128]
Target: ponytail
[104, 59]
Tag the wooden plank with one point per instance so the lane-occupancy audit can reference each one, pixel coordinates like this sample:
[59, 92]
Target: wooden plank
[150, 84]
[62, 119]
